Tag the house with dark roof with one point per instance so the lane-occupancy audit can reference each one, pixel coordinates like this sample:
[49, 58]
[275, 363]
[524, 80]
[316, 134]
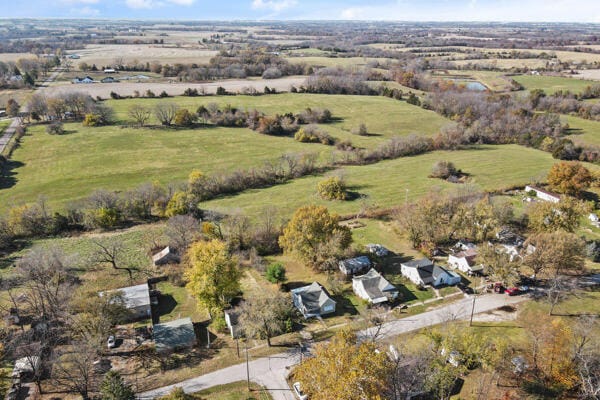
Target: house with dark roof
[423, 272]
[313, 300]
[109, 79]
[86, 79]
[174, 335]
[374, 288]
[355, 265]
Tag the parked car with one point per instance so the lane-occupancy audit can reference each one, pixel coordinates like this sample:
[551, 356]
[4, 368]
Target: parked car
[465, 289]
[499, 287]
[524, 289]
[298, 391]
[111, 343]
[513, 291]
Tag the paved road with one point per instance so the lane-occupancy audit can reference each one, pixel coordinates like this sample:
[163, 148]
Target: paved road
[10, 131]
[271, 372]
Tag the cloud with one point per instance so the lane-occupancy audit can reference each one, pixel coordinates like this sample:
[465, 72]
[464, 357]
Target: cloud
[79, 1]
[85, 12]
[182, 2]
[141, 4]
[273, 5]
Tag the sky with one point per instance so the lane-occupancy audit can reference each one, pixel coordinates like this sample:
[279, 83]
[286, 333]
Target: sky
[397, 10]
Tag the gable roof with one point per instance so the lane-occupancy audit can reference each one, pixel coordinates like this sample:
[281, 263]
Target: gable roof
[438, 271]
[422, 263]
[174, 334]
[312, 298]
[374, 285]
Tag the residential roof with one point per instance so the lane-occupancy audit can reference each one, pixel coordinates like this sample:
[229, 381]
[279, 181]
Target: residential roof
[312, 297]
[164, 253]
[375, 285]
[438, 271]
[537, 189]
[469, 255]
[134, 296]
[174, 334]
[422, 263]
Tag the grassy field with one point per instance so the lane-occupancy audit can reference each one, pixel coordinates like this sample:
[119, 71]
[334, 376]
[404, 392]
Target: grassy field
[70, 166]
[583, 131]
[389, 183]
[318, 61]
[552, 84]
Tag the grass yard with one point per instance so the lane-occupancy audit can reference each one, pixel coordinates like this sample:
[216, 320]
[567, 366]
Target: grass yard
[234, 391]
[552, 84]
[390, 183]
[583, 131]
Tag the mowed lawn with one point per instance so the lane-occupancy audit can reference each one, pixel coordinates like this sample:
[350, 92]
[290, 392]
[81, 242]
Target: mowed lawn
[384, 117]
[390, 183]
[583, 131]
[552, 84]
[71, 166]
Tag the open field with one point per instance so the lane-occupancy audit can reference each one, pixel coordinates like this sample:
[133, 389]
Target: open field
[400, 118]
[593, 74]
[20, 95]
[336, 61]
[583, 131]
[121, 158]
[127, 88]
[233, 391]
[552, 84]
[14, 57]
[53, 165]
[504, 63]
[105, 55]
[385, 184]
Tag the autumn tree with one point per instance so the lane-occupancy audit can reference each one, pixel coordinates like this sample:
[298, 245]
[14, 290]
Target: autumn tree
[545, 216]
[332, 188]
[12, 108]
[213, 275]
[113, 387]
[266, 316]
[315, 236]
[555, 253]
[499, 264]
[570, 178]
[343, 369]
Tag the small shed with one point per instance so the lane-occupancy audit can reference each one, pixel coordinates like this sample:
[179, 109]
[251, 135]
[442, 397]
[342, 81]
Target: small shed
[232, 321]
[174, 335]
[165, 256]
[355, 265]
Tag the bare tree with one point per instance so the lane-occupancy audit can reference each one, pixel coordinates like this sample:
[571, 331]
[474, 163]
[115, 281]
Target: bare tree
[165, 112]
[263, 317]
[73, 369]
[140, 114]
[182, 230]
[112, 253]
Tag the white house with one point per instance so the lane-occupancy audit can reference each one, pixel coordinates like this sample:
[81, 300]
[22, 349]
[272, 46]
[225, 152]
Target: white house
[465, 261]
[593, 217]
[543, 194]
[110, 71]
[374, 288]
[423, 272]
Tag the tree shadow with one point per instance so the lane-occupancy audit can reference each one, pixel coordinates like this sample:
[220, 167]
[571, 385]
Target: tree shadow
[166, 305]
[343, 306]
[8, 176]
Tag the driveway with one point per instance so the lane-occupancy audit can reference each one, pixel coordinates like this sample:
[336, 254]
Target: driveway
[271, 372]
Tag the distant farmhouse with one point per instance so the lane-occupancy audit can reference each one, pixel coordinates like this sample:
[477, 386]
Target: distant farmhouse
[374, 288]
[86, 79]
[355, 265]
[313, 300]
[109, 79]
[543, 194]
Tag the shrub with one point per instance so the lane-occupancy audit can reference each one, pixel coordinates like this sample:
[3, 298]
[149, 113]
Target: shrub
[184, 118]
[93, 120]
[178, 205]
[275, 273]
[221, 91]
[360, 130]
[163, 94]
[150, 93]
[115, 95]
[443, 170]
[190, 92]
[55, 128]
[332, 188]
[313, 134]
[272, 73]
[105, 218]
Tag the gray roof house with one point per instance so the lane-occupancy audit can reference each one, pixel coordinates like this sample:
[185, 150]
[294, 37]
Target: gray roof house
[313, 300]
[355, 265]
[374, 288]
[174, 335]
[137, 300]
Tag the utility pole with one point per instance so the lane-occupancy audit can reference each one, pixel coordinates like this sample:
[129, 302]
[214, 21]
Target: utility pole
[237, 344]
[472, 309]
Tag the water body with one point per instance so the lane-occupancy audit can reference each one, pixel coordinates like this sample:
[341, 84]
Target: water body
[471, 85]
